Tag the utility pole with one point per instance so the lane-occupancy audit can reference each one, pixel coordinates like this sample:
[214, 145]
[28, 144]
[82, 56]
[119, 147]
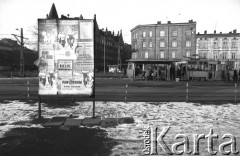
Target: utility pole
[104, 55]
[119, 51]
[21, 55]
[119, 55]
[21, 51]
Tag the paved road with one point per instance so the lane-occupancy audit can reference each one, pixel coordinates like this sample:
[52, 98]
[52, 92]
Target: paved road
[115, 90]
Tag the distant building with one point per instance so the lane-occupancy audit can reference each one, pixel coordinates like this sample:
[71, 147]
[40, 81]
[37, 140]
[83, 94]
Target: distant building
[164, 42]
[10, 56]
[159, 46]
[221, 50]
[219, 46]
[112, 44]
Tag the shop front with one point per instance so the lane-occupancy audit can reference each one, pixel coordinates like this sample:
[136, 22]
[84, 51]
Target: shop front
[152, 70]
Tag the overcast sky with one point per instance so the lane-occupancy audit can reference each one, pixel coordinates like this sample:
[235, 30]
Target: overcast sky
[222, 15]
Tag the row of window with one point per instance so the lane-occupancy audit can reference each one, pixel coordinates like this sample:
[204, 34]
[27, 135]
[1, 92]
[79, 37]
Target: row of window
[162, 33]
[216, 45]
[216, 55]
[162, 44]
[159, 55]
[107, 43]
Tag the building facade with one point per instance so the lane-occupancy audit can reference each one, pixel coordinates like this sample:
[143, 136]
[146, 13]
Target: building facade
[221, 52]
[10, 56]
[222, 47]
[170, 41]
[109, 49]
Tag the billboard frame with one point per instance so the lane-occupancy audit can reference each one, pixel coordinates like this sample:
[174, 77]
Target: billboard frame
[92, 96]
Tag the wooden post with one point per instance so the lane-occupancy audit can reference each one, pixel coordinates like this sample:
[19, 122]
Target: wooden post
[235, 93]
[12, 77]
[28, 90]
[39, 107]
[186, 92]
[126, 92]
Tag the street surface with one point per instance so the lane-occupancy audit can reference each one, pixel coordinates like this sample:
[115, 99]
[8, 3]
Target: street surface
[115, 90]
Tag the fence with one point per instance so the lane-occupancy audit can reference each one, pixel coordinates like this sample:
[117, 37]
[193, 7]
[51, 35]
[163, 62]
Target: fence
[128, 91]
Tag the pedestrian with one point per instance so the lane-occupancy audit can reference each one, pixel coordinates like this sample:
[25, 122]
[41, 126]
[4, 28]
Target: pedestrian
[235, 75]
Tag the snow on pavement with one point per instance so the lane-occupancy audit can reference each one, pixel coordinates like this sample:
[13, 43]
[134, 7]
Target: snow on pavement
[187, 118]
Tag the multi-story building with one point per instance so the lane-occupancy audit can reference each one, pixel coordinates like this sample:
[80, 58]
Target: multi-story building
[109, 49]
[221, 50]
[170, 41]
[163, 43]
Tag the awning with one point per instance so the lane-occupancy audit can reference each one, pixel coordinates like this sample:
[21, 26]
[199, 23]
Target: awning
[148, 61]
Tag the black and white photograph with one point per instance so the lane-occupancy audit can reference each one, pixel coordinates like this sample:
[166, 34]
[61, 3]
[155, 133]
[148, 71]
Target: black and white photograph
[119, 77]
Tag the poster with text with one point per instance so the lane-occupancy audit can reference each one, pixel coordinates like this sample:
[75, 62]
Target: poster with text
[66, 57]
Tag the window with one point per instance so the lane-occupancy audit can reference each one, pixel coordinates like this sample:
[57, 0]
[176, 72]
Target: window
[233, 55]
[135, 45]
[136, 35]
[188, 33]
[224, 55]
[203, 45]
[187, 54]
[150, 33]
[162, 33]
[146, 55]
[215, 44]
[150, 44]
[174, 33]
[225, 45]
[205, 55]
[188, 43]
[162, 44]
[173, 54]
[144, 44]
[144, 34]
[234, 44]
[162, 54]
[215, 55]
[134, 55]
[174, 44]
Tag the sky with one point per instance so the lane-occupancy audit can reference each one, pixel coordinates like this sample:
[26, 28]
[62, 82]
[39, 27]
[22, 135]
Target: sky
[210, 15]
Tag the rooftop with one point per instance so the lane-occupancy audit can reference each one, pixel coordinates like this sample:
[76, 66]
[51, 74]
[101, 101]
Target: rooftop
[168, 23]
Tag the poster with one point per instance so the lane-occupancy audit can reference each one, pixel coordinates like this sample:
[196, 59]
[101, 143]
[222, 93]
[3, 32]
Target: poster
[66, 57]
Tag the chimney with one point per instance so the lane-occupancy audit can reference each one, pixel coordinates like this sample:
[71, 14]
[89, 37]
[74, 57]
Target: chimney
[190, 21]
[230, 32]
[220, 32]
[198, 33]
[235, 31]
[158, 22]
[205, 32]
[169, 22]
[214, 31]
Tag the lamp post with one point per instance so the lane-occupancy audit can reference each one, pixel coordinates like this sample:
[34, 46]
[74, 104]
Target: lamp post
[21, 54]
[21, 50]
[104, 55]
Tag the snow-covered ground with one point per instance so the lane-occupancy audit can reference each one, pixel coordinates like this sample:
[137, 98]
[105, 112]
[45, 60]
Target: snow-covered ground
[184, 118]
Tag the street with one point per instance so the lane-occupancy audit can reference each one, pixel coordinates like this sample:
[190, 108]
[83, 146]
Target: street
[125, 89]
